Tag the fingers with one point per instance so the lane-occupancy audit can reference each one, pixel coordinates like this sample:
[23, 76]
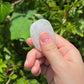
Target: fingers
[53, 51]
[61, 42]
[64, 47]
[36, 68]
[47, 71]
[29, 42]
[31, 57]
[50, 50]
[67, 49]
[33, 60]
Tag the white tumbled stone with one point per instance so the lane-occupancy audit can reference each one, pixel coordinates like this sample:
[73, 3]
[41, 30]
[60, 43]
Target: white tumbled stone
[37, 28]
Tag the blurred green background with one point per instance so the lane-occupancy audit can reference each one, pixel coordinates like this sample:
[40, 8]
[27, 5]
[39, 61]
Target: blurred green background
[16, 16]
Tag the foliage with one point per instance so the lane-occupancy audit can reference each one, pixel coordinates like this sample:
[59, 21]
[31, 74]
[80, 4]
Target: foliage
[66, 17]
[4, 10]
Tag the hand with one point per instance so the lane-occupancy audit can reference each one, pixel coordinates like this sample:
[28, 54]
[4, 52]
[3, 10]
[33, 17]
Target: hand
[60, 61]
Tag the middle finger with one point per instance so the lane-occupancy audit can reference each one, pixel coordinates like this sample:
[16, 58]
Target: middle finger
[31, 57]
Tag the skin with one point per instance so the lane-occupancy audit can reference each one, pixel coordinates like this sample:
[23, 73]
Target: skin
[59, 61]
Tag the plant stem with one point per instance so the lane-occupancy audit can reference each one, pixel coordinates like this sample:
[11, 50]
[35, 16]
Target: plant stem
[9, 77]
[16, 2]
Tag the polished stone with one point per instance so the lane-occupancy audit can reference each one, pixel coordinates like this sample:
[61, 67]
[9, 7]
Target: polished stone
[38, 27]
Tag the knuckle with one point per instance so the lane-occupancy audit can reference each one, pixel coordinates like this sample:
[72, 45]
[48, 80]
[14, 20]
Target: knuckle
[33, 51]
[50, 47]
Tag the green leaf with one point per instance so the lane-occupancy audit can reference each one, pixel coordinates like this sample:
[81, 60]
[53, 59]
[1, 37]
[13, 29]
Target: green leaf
[14, 76]
[31, 12]
[1, 70]
[52, 3]
[0, 1]
[20, 26]
[79, 32]
[21, 73]
[22, 81]
[1, 80]
[80, 11]
[4, 10]
[83, 3]
[80, 29]
[2, 65]
[39, 16]
[72, 11]
[82, 24]
[67, 7]
[34, 81]
[7, 57]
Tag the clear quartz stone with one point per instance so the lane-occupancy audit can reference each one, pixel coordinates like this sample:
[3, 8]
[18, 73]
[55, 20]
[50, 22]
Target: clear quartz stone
[38, 27]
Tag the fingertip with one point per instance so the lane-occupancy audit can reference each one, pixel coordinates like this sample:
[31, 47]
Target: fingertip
[29, 42]
[36, 68]
[26, 64]
[38, 73]
[30, 59]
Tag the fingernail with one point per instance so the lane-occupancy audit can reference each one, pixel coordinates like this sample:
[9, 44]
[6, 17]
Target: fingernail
[44, 37]
[37, 74]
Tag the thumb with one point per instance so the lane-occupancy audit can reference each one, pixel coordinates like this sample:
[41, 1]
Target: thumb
[49, 49]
